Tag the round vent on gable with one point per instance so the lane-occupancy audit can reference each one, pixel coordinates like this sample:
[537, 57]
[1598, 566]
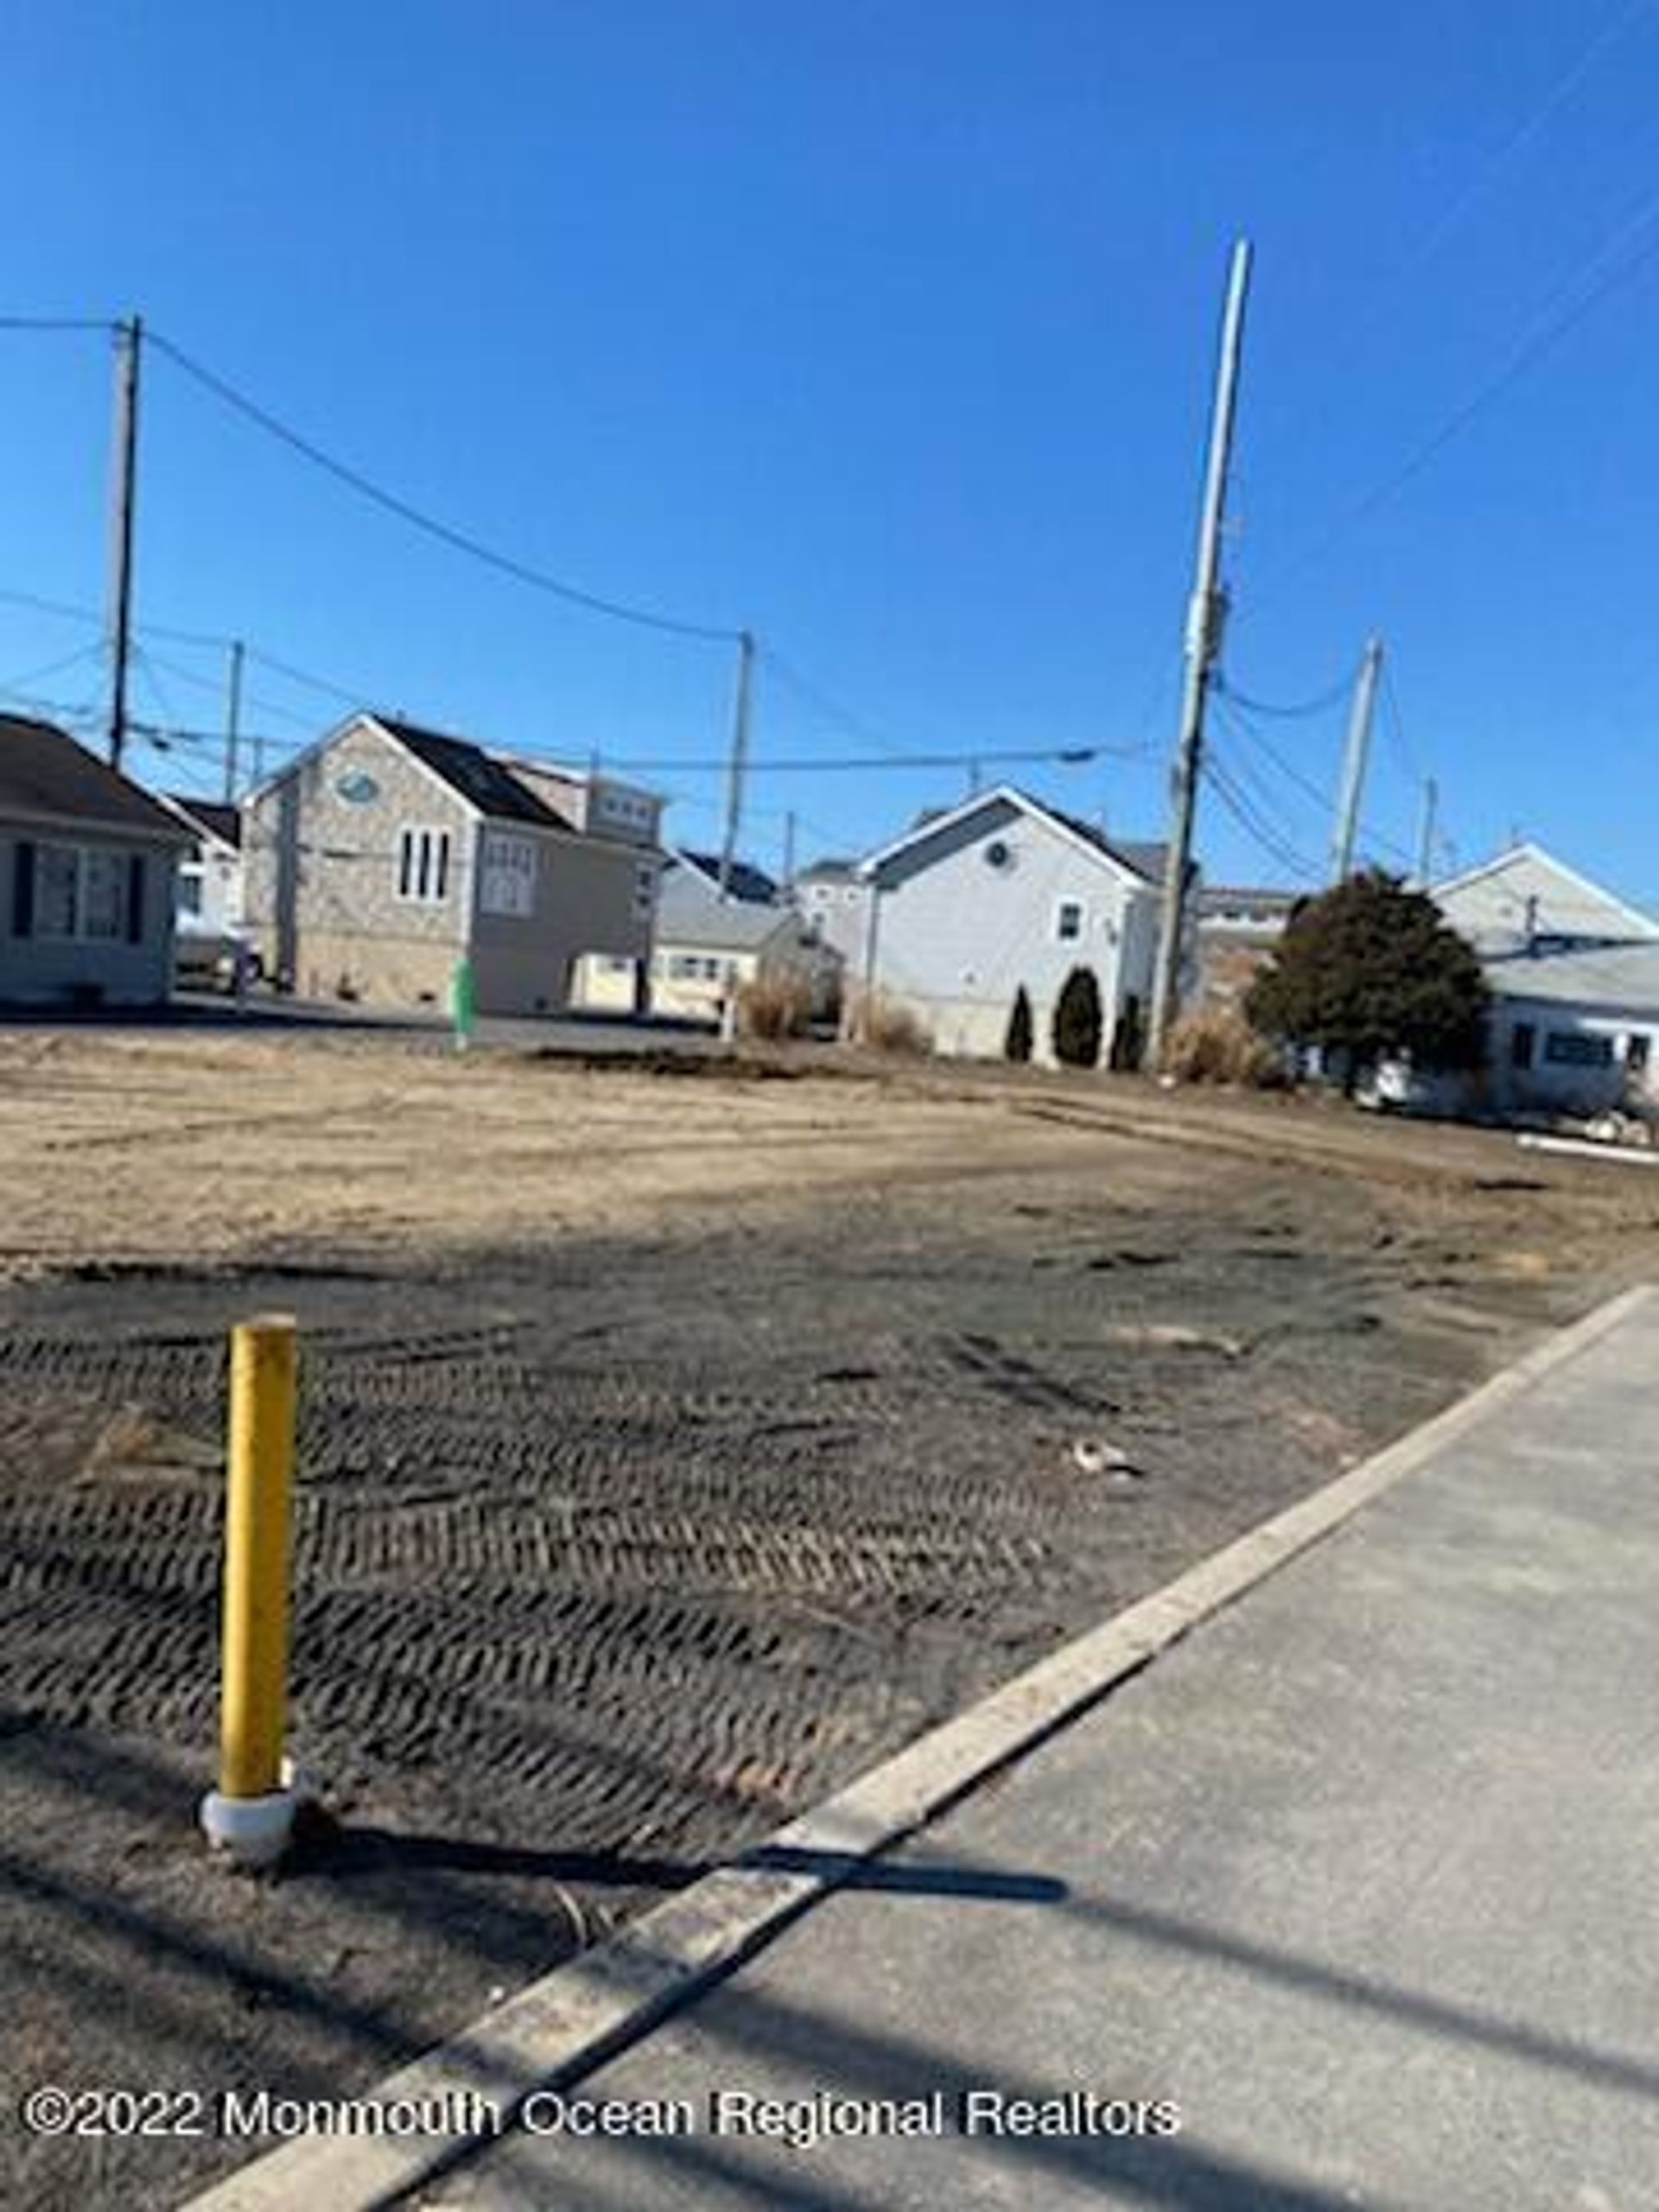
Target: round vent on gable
[998, 853]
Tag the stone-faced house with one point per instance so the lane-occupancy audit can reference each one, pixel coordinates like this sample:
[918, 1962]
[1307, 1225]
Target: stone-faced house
[386, 854]
[1004, 893]
[86, 876]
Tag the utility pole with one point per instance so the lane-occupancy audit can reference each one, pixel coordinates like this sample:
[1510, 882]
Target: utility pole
[740, 760]
[129, 339]
[1353, 763]
[233, 721]
[1425, 834]
[1206, 611]
[789, 850]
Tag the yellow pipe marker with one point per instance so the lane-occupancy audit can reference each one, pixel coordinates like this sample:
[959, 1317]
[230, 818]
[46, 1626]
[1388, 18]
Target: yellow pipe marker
[251, 1814]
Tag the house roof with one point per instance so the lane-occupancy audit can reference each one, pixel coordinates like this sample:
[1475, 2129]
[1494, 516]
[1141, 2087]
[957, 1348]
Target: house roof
[1526, 893]
[690, 911]
[751, 885]
[828, 871]
[1622, 976]
[1146, 862]
[217, 819]
[1245, 904]
[46, 775]
[482, 781]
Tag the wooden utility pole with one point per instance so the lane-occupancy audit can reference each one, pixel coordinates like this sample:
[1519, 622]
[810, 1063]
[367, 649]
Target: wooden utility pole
[233, 721]
[129, 339]
[1353, 765]
[789, 850]
[1205, 613]
[740, 759]
[1425, 834]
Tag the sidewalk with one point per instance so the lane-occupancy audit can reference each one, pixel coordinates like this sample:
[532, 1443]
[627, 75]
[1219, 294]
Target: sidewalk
[1360, 1875]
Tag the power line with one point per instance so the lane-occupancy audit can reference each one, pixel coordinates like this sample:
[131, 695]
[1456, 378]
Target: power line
[1239, 807]
[1320, 705]
[50, 322]
[1545, 333]
[1066, 756]
[418, 518]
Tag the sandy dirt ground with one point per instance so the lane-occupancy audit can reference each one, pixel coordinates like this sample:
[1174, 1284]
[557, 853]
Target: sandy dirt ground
[673, 1444]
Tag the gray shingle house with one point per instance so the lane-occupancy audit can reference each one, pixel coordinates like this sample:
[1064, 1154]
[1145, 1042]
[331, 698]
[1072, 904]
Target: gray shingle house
[1003, 893]
[386, 853]
[86, 876]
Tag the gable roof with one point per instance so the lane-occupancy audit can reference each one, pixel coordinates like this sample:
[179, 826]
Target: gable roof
[471, 774]
[1526, 893]
[45, 775]
[690, 910]
[752, 885]
[1145, 862]
[218, 819]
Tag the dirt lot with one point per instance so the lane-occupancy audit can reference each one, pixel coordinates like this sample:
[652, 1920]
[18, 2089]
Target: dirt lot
[674, 1445]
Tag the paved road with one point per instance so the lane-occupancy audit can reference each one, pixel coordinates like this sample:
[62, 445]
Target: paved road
[1361, 1876]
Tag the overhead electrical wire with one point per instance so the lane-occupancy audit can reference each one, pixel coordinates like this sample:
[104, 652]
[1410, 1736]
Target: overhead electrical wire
[458, 540]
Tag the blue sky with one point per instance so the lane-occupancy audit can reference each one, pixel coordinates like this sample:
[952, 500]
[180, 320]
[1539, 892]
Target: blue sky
[888, 330]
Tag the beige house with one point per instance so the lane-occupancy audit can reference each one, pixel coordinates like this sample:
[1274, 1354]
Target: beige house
[386, 854]
[709, 946]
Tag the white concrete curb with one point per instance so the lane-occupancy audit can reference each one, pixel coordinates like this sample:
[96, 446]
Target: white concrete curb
[567, 2023]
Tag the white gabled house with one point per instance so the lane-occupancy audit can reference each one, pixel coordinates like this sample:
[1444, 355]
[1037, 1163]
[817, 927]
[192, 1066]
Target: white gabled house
[1005, 892]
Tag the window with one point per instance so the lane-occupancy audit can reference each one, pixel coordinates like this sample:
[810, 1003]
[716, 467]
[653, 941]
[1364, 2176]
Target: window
[645, 891]
[1573, 1048]
[57, 891]
[102, 894]
[81, 890]
[1068, 921]
[1637, 1052]
[508, 873]
[190, 892]
[423, 865]
[1521, 1039]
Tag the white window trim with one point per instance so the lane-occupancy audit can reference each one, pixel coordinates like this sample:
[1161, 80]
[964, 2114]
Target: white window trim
[440, 853]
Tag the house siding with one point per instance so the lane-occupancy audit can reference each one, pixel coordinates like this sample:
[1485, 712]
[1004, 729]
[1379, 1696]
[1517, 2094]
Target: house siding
[41, 970]
[324, 905]
[322, 875]
[587, 899]
[955, 937]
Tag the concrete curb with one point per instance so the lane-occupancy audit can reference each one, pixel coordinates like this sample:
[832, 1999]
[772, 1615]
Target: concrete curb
[565, 2025]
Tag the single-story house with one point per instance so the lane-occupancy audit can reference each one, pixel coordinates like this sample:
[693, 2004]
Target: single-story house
[87, 861]
[1239, 928]
[708, 945]
[1003, 893]
[1573, 971]
[1574, 1032]
[387, 853]
[210, 891]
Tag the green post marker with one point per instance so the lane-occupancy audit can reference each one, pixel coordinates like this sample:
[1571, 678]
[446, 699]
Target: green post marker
[464, 1004]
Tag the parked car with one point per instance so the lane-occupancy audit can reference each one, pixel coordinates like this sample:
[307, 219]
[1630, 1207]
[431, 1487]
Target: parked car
[206, 957]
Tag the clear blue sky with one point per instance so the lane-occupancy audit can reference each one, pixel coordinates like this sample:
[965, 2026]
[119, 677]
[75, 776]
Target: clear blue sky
[886, 330]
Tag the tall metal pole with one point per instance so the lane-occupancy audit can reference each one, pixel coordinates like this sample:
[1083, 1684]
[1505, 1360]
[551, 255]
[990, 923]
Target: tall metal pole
[1206, 612]
[740, 759]
[129, 341]
[1353, 765]
[789, 850]
[1425, 836]
[233, 721]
